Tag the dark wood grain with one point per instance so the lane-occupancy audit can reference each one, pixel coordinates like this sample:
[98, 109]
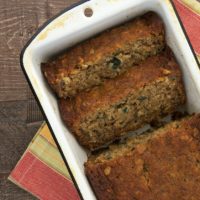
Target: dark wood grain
[18, 21]
[20, 116]
[15, 133]
[9, 191]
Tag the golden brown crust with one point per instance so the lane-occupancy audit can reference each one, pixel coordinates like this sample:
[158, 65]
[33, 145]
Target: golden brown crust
[164, 167]
[95, 48]
[76, 111]
[104, 45]
[112, 90]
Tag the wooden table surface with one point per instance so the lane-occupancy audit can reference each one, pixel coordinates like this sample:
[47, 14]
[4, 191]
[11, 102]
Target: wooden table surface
[20, 116]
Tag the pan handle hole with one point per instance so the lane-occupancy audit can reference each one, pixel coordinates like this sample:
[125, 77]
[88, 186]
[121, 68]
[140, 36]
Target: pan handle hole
[88, 12]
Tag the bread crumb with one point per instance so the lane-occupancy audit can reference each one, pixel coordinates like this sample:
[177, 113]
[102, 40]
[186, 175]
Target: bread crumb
[107, 171]
[166, 72]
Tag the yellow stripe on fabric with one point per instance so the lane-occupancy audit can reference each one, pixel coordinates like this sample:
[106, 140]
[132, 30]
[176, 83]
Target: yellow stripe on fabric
[45, 132]
[49, 154]
[192, 4]
[198, 56]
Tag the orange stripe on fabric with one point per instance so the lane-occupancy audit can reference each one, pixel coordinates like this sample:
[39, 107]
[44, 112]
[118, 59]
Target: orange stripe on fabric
[45, 132]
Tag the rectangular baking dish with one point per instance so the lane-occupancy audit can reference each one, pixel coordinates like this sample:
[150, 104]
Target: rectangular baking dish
[71, 27]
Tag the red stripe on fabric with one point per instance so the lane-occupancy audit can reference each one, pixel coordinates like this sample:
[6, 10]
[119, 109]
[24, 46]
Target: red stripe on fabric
[191, 23]
[42, 181]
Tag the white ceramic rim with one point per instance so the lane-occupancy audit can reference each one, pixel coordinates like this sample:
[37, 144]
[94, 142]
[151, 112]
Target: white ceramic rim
[26, 63]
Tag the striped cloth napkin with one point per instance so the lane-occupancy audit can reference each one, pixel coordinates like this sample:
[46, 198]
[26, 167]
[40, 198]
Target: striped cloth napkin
[41, 170]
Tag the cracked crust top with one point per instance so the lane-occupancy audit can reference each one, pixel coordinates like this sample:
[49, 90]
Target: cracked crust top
[163, 165]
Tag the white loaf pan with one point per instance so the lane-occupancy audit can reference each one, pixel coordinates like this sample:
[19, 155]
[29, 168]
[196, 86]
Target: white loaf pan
[71, 27]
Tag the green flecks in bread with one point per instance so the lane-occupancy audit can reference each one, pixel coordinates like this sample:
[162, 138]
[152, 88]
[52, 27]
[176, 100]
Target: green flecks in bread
[141, 95]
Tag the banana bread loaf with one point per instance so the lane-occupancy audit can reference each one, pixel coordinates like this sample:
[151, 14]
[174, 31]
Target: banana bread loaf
[143, 94]
[105, 56]
[163, 165]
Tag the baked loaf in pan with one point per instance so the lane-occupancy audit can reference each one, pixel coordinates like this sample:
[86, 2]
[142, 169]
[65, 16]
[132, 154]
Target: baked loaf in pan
[105, 56]
[143, 94]
[162, 165]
